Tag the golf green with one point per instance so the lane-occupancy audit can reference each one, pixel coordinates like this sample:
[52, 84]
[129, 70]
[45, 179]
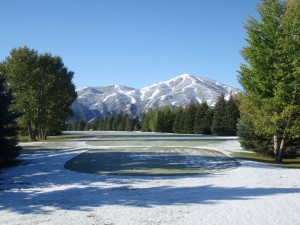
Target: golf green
[151, 161]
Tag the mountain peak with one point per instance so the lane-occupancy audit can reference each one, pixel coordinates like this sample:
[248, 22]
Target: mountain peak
[107, 100]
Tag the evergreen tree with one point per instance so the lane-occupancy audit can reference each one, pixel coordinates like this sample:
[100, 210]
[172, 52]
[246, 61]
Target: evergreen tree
[199, 118]
[100, 125]
[207, 121]
[116, 123]
[189, 118]
[168, 119]
[136, 125]
[271, 74]
[129, 126]
[177, 125]
[81, 125]
[9, 148]
[145, 122]
[218, 125]
[109, 123]
[158, 121]
[231, 116]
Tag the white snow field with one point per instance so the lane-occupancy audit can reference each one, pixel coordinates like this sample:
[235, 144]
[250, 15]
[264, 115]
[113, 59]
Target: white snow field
[41, 191]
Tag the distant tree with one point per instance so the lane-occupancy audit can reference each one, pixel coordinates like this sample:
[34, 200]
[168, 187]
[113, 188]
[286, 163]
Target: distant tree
[271, 72]
[136, 124]
[200, 117]
[127, 122]
[218, 125]
[109, 123]
[158, 121]
[207, 121]
[231, 116]
[189, 118]
[168, 119]
[117, 123]
[145, 122]
[9, 148]
[81, 125]
[178, 121]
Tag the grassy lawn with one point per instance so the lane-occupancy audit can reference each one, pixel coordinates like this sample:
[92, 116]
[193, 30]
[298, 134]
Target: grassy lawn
[288, 163]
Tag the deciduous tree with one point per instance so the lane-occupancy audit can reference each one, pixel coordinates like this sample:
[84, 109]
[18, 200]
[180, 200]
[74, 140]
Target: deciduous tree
[271, 72]
[43, 90]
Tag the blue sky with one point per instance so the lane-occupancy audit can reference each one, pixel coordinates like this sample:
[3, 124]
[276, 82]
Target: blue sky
[131, 42]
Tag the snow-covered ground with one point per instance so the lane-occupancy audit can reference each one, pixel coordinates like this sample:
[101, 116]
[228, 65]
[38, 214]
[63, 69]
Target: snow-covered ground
[41, 191]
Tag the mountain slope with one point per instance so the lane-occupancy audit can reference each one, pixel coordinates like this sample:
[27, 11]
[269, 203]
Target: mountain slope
[107, 100]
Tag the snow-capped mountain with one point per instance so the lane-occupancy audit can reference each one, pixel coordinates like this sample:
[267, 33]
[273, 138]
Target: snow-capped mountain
[107, 100]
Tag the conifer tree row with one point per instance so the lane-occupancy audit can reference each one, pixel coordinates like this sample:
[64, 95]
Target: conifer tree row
[109, 123]
[194, 119]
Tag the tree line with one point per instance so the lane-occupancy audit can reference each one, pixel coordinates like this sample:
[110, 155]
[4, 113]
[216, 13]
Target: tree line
[120, 122]
[195, 118]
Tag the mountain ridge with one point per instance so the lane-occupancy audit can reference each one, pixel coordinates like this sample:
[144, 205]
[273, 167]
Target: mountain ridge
[99, 101]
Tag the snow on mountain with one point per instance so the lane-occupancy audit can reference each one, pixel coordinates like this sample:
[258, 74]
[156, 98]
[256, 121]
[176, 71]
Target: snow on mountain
[107, 100]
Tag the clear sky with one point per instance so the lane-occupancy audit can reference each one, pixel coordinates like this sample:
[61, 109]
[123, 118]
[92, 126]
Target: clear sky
[131, 42]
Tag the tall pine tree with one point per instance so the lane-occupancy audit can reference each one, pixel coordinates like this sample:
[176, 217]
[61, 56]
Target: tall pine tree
[218, 124]
[200, 117]
[231, 116]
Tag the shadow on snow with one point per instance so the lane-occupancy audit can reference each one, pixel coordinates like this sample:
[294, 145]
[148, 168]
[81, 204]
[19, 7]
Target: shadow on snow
[41, 184]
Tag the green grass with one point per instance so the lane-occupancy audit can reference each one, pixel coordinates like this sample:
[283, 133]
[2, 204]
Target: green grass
[62, 137]
[149, 161]
[288, 163]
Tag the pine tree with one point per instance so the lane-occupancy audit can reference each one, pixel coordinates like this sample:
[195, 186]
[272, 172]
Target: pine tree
[231, 116]
[81, 125]
[207, 121]
[199, 118]
[128, 123]
[145, 122]
[158, 121]
[218, 125]
[168, 119]
[189, 118]
[177, 125]
[9, 148]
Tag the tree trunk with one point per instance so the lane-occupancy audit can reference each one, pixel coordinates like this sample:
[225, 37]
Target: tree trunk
[276, 148]
[45, 134]
[30, 132]
[279, 147]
